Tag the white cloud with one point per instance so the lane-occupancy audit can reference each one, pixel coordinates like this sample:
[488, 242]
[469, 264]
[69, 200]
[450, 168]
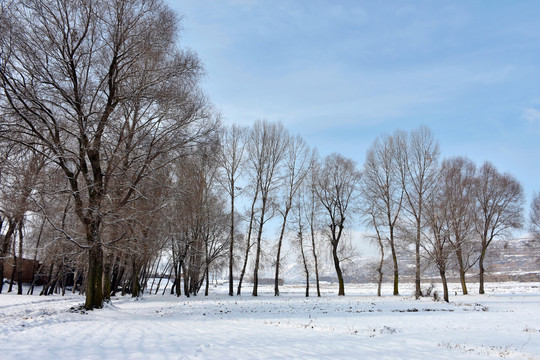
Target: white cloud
[532, 116]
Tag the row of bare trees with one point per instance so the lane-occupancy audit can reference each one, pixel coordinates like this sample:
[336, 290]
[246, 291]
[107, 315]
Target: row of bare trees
[280, 179]
[184, 220]
[114, 168]
[436, 210]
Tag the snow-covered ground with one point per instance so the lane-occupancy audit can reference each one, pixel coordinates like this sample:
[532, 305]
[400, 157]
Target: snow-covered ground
[503, 323]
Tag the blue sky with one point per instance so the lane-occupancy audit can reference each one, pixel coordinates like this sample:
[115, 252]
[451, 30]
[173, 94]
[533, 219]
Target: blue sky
[340, 73]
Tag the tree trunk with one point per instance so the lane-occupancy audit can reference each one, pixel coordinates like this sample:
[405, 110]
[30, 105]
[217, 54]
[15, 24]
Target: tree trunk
[459, 255]
[380, 268]
[394, 259]
[231, 244]
[341, 291]
[248, 244]
[75, 277]
[417, 287]
[53, 282]
[31, 289]
[482, 270]
[280, 242]
[1, 271]
[315, 260]
[13, 272]
[444, 283]
[304, 260]
[94, 285]
[20, 260]
[2, 254]
[207, 285]
[135, 285]
[186, 278]
[177, 284]
[4, 249]
[258, 253]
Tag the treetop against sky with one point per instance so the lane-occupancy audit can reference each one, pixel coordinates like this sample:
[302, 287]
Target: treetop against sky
[341, 73]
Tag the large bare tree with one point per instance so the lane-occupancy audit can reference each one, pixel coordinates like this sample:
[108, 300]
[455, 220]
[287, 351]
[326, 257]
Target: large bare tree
[267, 146]
[337, 187]
[418, 155]
[458, 174]
[104, 89]
[499, 209]
[383, 188]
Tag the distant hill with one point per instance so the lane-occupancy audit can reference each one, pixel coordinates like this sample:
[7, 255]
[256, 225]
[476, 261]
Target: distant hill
[510, 260]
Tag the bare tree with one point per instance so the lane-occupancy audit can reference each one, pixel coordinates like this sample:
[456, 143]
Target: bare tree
[233, 141]
[382, 185]
[458, 175]
[266, 148]
[417, 159]
[297, 166]
[499, 209]
[312, 210]
[103, 88]
[299, 242]
[437, 215]
[337, 187]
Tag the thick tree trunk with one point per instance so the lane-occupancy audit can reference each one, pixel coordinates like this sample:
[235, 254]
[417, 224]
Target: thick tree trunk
[13, 272]
[4, 249]
[417, 287]
[177, 285]
[459, 256]
[94, 285]
[135, 284]
[185, 277]
[341, 290]
[207, 285]
[445, 284]
[394, 259]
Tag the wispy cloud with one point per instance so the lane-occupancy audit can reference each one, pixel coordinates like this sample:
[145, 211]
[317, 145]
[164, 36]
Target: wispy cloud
[532, 116]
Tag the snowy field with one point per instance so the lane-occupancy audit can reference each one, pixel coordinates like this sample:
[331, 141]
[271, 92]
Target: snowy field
[504, 323]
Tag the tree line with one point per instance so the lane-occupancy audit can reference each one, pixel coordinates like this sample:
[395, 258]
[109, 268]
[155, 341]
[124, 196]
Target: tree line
[115, 167]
